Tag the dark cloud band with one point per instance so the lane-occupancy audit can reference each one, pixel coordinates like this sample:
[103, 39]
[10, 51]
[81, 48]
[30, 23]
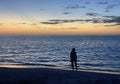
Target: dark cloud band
[104, 19]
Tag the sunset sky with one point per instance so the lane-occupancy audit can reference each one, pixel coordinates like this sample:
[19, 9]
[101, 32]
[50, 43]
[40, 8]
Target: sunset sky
[62, 17]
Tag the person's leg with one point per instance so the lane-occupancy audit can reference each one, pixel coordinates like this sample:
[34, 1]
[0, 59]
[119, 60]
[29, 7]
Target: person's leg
[72, 64]
[76, 64]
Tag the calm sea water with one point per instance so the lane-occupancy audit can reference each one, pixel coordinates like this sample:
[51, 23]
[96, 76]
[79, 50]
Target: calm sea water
[94, 52]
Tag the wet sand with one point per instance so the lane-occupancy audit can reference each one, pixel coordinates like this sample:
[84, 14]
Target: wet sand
[45, 75]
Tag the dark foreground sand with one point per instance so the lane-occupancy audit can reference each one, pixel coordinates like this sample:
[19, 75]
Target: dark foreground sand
[55, 76]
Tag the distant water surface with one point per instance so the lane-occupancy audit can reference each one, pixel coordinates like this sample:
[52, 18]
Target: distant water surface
[94, 52]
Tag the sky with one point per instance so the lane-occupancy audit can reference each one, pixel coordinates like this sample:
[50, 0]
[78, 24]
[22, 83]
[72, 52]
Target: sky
[60, 17]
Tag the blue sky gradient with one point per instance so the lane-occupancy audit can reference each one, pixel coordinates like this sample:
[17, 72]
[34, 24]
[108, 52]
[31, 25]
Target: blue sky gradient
[52, 12]
[56, 8]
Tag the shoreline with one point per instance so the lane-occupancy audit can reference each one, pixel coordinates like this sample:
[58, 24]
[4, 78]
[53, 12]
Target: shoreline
[47, 75]
[61, 68]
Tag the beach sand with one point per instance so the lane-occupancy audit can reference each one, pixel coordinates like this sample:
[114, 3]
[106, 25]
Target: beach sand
[45, 75]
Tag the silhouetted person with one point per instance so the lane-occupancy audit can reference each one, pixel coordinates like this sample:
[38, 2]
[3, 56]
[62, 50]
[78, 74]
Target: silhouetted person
[73, 59]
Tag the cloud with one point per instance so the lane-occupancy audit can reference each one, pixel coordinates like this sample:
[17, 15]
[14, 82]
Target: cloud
[114, 20]
[66, 13]
[60, 21]
[23, 23]
[69, 28]
[92, 14]
[87, 2]
[109, 7]
[74, 7]
[49, 22]
[102, 2]
[82, 7]
[109, 20]
[30, 24]
[117, 24]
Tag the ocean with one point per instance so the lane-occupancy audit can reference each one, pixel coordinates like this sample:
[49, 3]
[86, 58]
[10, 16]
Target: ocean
[93, 52]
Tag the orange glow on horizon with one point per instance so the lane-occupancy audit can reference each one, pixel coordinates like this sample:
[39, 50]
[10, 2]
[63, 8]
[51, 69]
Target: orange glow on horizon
[59, 29]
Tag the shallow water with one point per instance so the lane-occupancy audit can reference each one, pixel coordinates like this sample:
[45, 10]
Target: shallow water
[94, 52]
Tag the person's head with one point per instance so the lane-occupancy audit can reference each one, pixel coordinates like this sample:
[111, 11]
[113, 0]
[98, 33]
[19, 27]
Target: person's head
[73, 49]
